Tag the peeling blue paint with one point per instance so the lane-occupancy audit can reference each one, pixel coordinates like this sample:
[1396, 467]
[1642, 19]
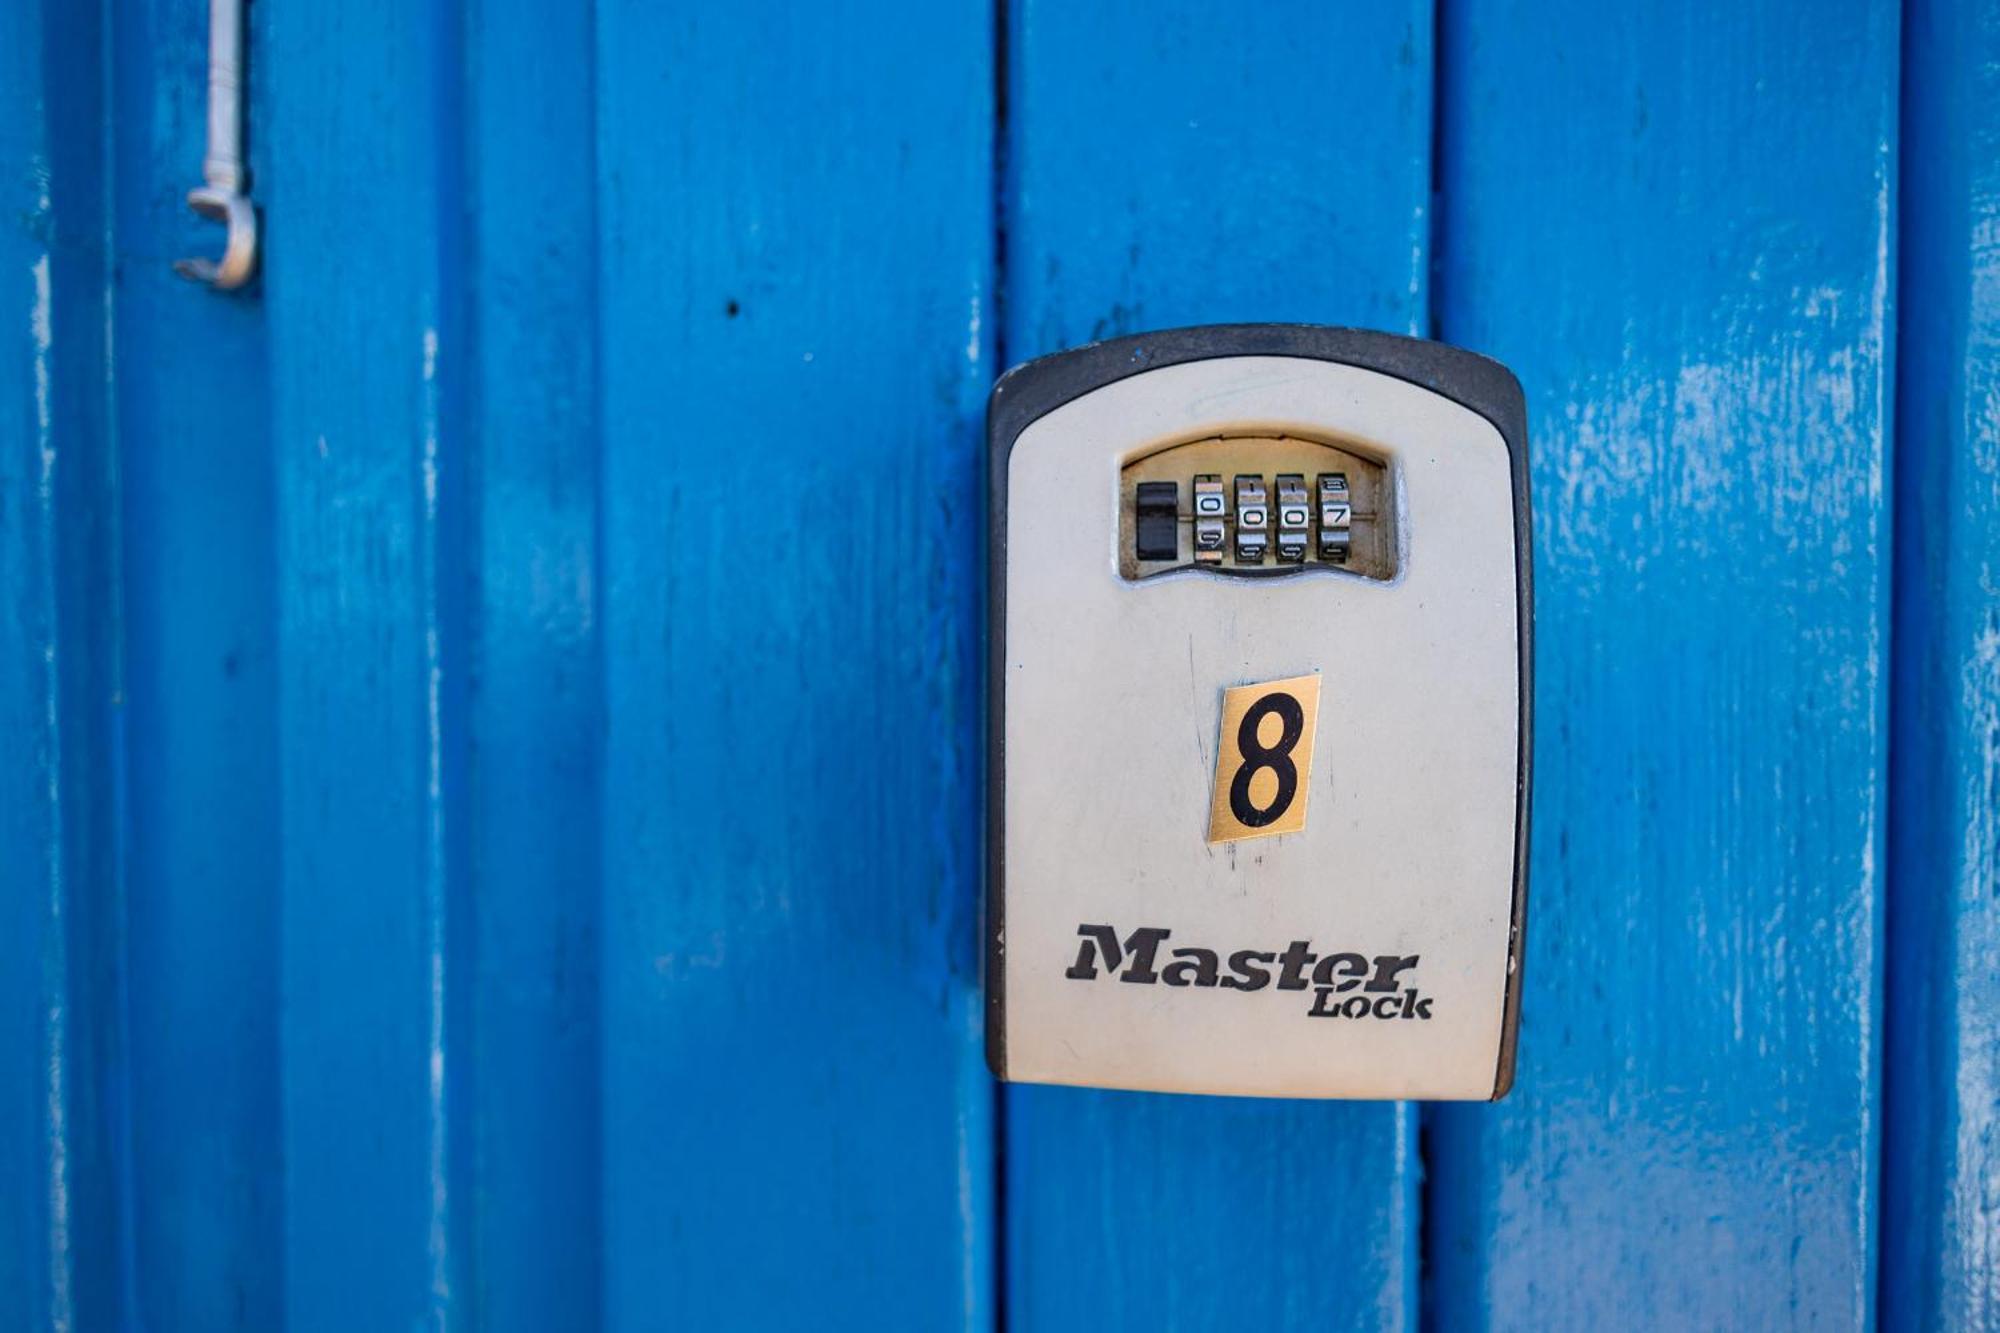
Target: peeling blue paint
[490, 720]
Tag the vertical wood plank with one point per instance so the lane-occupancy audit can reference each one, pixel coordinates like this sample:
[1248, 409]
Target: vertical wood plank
[200, 663]
[60, 1042]
[1201, 164]
[1675, 225]
[364, 207]
[35, 1263]
[1941, 1160]
[535, 710]
[796, 247]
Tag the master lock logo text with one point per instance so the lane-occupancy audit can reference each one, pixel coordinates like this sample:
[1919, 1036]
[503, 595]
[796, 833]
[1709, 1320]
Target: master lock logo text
[1344, 985]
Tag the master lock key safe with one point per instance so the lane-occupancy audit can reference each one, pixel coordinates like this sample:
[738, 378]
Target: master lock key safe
[1259, 685]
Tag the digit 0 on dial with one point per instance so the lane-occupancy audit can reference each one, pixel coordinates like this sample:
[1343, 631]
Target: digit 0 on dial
[1256, 505]
[1263, 759]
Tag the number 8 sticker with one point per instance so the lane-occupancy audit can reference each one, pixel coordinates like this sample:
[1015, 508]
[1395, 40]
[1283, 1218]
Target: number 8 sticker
[1263, 759]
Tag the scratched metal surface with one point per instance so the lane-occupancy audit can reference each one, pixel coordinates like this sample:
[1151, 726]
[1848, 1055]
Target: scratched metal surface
[489, 718]
[1941, 1164]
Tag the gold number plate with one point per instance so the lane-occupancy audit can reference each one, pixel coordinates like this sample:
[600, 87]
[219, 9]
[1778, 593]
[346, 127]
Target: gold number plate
[1263, 759]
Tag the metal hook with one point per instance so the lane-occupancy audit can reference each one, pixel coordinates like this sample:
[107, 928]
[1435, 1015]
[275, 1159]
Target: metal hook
[223, 199]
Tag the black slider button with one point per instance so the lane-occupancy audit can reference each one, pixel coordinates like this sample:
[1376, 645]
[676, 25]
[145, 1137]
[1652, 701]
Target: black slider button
[1158, 506]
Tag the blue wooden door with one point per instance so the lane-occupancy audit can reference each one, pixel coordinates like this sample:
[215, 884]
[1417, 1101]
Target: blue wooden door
[490, 717]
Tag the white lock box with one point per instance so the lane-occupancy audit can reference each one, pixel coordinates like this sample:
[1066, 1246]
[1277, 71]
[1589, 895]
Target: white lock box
[1258, 688]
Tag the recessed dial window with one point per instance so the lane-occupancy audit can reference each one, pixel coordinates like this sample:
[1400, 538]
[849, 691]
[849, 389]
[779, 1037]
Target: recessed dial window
[1256, 504]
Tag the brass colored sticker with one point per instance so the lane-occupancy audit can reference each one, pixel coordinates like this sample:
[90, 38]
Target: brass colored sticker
[1263, 759]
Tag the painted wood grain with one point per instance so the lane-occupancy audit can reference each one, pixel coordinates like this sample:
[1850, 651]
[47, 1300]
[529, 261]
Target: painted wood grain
[795, 332]
[62, 1110]
[201, 801]
[535, 714]
[1675, 225]
[1204, 164]
[489, 762]
[1941, 1164]
[363, 200]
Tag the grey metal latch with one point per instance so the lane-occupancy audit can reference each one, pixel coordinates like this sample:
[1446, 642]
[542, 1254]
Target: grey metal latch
[224, 197]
